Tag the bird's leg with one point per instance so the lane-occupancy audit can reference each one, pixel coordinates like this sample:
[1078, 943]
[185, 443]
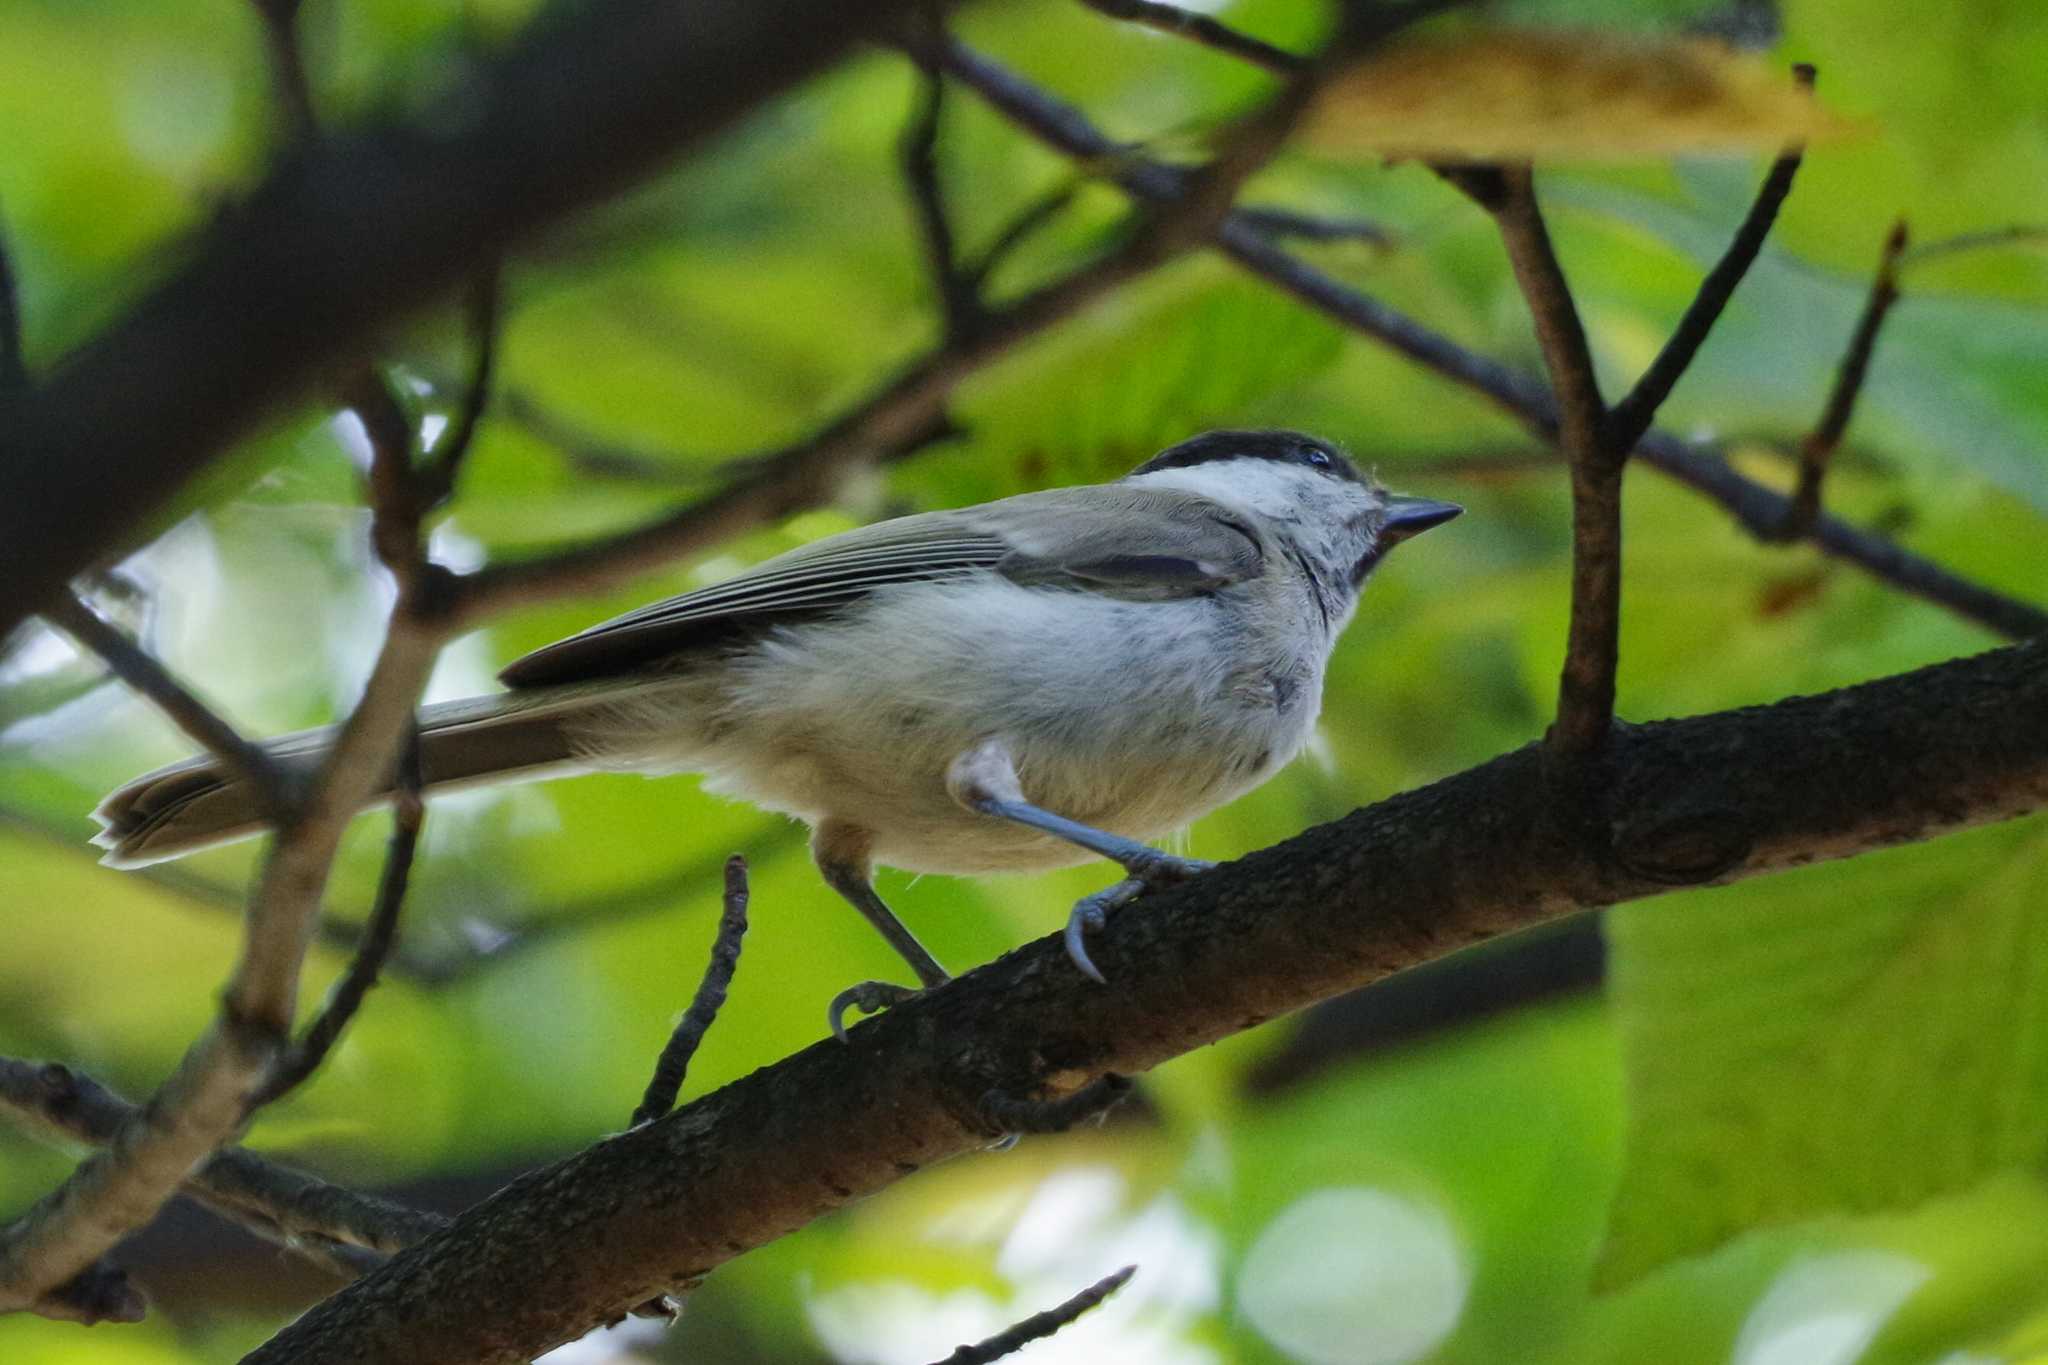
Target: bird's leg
[984, 779]
[841, 852]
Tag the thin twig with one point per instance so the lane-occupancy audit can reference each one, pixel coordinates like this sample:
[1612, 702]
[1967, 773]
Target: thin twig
[1202, 29]
[2018, 234]
[959, 305]
[485, 319]
[1282, 224]
[1020, 229]
[130, 663]
[1016, 1337]
[13, 359]
[288, 82]
[674, 1063]
[1637, 409]
[289, 1207]
[380, 933]
[1818, 449]
[589, 453]
[1757, 508]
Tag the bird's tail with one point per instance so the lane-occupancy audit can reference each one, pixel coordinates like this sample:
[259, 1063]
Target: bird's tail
[197, 803]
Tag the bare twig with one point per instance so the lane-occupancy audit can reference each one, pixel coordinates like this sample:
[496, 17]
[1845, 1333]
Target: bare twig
[590, 453]
[444, 463]
[960, 308]
[674, 1063]
[1039, 1325]
[1637, 409]
[2019, 234]
[380, 932]
[13, 360]
[1202, 29]
[288, 82]
[135, 667]
[289, 1207]
[1019, 230]
[1754, 506]
[1818, 449]
[1282, 224]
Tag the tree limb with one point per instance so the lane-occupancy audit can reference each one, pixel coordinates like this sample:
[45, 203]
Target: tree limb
[357, 229]
[1707, 800]
[1038, 1326]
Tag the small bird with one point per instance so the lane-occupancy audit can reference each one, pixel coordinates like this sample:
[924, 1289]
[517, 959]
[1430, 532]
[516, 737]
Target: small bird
[1013, 686]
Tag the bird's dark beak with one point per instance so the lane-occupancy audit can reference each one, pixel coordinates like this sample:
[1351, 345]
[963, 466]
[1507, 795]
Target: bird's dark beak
[1412, 516]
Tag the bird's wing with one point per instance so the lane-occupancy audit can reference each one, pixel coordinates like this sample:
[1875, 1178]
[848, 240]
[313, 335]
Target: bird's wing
[1126, 540]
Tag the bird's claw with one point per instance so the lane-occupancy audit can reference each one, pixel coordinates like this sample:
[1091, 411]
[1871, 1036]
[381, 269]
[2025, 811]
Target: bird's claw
[1091, 913]
[867, 997]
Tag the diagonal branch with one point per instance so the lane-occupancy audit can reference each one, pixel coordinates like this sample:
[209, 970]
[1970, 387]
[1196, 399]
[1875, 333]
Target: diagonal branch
[1637, 409]
[286, 1206]
[1758, 509]
[1202, 29]
[1329, 911]
[960, 309]
[1818, 448]
[136, 668]
[1038, 1326]
[674, 1062]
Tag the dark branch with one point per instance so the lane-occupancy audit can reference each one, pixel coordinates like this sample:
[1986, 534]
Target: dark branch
[1282, 225]
[1019, 230]
[359, 228]
[1585, 697]
[285, 1206]
[1637, 409]
[380, 933]
[1332, 910]
[960, 308]
[1757, 508]
[674, 1063]
[1040, 1325]
[1204, 30]
[136, 668]
[444, 463]
[102, 1292]
[13, 358]
[288, 83]
[1818, 449]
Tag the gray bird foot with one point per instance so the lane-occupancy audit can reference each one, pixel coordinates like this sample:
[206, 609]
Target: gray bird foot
[1091, 913]
[867, 997]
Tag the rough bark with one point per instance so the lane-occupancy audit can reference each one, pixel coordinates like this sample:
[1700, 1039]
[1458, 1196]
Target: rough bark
[1705, 800]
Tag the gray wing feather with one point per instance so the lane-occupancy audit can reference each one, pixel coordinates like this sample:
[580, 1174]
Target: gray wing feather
[1131, 541]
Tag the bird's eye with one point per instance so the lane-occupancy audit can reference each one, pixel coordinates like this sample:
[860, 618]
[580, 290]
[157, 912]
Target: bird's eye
[1315, 459]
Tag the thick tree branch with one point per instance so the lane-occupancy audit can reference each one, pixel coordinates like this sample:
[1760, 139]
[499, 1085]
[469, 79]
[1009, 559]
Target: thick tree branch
[357, 229]
[1756, 507]
[1707, 800]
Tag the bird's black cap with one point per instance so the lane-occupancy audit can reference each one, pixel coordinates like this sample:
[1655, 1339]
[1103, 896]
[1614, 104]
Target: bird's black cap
[1283, 447]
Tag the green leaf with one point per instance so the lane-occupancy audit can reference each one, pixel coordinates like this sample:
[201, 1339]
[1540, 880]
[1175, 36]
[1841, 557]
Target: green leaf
[1789, 1056]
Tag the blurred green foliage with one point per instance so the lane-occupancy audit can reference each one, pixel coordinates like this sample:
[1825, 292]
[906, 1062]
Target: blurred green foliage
[1839, 1069]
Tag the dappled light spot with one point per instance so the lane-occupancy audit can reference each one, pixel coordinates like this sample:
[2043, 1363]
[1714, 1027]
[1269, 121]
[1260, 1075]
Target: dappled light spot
[1352, 1276]
[1826, 1310]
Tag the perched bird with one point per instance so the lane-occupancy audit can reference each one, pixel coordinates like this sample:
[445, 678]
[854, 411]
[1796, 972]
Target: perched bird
[1007, 687]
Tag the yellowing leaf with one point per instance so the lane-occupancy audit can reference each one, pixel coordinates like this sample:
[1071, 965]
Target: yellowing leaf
[1508, 94]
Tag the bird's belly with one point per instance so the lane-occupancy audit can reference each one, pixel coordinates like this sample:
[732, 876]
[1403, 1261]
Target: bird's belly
[814, 723]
